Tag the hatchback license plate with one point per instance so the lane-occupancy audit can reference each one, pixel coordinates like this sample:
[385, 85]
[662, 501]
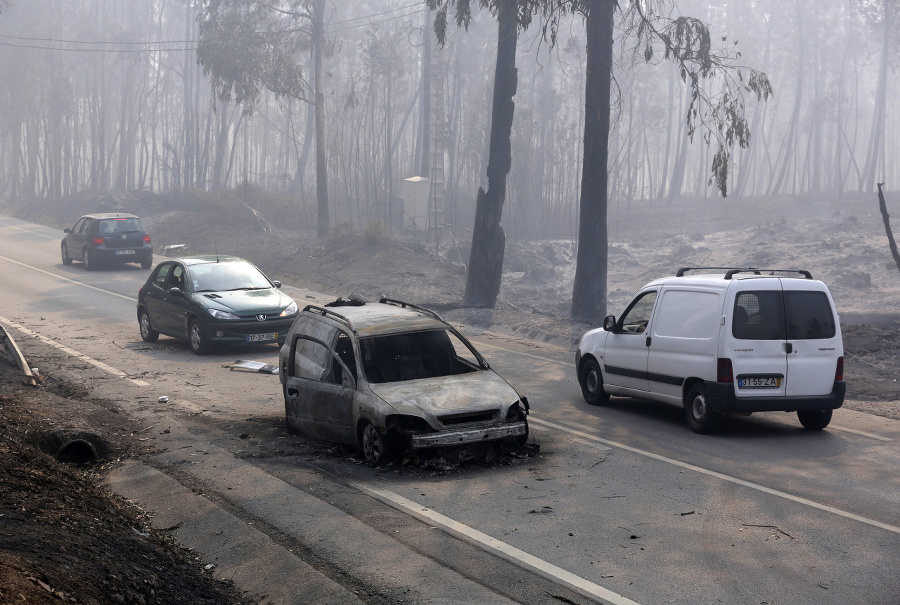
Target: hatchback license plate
[262, 337]
[759, 382]
[124, 251]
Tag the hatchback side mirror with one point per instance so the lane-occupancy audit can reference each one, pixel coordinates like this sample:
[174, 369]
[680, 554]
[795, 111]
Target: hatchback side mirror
[175, 291]
[276, 283]
[67, 230]
[609, 323]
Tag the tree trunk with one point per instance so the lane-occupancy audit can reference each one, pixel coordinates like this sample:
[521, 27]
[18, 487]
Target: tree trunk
[488, 238]
[589, 291]
[887, 226]
[323, 222]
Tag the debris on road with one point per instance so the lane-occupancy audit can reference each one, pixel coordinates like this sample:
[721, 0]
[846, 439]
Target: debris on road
[242, 365]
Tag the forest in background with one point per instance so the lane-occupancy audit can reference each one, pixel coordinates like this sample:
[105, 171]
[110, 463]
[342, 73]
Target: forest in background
[104, 95]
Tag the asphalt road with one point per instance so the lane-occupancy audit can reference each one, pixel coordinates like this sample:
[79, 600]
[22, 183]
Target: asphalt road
[623, 504]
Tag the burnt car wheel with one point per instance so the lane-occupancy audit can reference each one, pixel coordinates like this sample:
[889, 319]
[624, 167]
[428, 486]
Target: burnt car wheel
[64, 251]
[148, 334]
[199, 344]
[814, 420]
[376, 447]
[700, 417]
[592, 383]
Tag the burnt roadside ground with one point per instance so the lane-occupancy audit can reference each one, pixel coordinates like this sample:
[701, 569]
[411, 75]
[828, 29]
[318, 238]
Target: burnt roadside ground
[212, 510]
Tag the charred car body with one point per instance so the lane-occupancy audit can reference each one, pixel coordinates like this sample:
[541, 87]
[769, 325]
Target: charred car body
[390, 376]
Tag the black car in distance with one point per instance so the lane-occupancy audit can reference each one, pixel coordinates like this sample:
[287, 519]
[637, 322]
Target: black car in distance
[107, 238]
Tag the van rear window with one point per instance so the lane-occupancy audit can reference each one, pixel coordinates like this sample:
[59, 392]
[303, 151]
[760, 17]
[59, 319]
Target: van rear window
[809, 315]
[776, 315]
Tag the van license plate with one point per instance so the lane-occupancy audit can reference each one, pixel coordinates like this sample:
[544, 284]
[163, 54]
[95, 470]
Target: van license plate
[759, 382]
[262, 337]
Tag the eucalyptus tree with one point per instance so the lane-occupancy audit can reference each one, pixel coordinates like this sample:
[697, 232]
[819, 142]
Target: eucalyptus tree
[652, 28]
[488, 237]
[249, 45]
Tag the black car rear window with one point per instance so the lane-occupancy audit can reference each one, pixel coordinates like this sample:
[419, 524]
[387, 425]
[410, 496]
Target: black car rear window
[777, 315]
[120, 225]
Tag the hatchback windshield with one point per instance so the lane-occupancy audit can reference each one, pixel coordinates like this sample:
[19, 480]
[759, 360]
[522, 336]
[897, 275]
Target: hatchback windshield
[220, 277]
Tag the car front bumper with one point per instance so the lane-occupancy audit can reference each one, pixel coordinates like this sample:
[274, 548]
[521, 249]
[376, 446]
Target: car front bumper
[445, 438]
[236, 332]
[723, 400]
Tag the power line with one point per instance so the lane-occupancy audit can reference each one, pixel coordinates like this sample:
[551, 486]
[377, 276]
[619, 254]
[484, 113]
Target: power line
[30, 39]
[95, 50]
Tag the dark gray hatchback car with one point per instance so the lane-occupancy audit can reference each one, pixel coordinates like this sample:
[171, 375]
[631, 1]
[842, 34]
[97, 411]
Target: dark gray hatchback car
[106, 238]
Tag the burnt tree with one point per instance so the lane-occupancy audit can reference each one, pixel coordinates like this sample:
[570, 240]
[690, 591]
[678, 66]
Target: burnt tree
[887, 226]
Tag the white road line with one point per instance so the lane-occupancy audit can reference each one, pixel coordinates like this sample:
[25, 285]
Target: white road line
[485, 345]
[762, 488]
[73, 281]
[855, 432]
[78, 355]
[31, 231]
[502, 549]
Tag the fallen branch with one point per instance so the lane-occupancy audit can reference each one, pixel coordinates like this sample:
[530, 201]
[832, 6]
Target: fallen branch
[775, 527]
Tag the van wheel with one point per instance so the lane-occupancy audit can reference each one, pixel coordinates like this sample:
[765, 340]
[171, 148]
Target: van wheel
[592, 383]
[814, 420]
[700, 417]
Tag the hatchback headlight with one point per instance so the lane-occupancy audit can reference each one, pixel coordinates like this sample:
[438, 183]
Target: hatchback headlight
[222, 314]
[290, 310]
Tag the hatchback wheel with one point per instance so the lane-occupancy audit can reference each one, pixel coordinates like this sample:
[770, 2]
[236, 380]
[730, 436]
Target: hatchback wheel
[592, 383]
[700, 417]
[814, 420]
[148, 334]
[376, 447]
[146, 264]
[199, 344]
[88, 259]
[66, 259]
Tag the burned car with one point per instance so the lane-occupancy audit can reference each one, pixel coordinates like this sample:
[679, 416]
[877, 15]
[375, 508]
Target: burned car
[390, 376]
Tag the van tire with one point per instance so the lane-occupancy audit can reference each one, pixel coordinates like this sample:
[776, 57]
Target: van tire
[699, 416]
[814, 420]
[592, 383]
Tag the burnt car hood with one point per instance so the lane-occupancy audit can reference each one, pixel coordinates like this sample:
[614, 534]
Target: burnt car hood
[481, 390]
[246, 302]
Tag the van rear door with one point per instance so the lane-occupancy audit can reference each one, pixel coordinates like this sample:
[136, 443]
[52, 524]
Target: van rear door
[756, 342]
[813, 338]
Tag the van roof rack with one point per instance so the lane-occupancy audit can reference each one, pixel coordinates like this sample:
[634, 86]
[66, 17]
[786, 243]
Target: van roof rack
[731, 271]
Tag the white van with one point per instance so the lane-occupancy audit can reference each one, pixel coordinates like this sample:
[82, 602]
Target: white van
[741, 341]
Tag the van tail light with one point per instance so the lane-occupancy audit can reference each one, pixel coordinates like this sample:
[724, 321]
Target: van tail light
[839, 373]
[724, 372]
[98, 240]
[146, 239]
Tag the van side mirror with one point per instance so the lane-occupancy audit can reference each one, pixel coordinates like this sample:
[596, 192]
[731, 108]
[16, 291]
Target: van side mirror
[609, 323]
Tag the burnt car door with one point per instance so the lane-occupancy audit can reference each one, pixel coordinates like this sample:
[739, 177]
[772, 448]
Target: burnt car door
[319, 389]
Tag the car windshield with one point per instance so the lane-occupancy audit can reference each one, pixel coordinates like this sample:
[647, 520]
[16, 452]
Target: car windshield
[220, 277]
[416, 355]
[109, 226]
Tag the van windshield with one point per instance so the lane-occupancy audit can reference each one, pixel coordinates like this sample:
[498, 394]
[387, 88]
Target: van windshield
[788, 315]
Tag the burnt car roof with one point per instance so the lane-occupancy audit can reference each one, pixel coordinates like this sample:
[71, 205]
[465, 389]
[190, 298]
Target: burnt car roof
[378, 318]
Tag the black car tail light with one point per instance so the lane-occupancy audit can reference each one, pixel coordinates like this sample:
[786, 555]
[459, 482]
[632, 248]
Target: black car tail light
[98, 240]
[839, 372]
[724, 372]
[146, 239]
